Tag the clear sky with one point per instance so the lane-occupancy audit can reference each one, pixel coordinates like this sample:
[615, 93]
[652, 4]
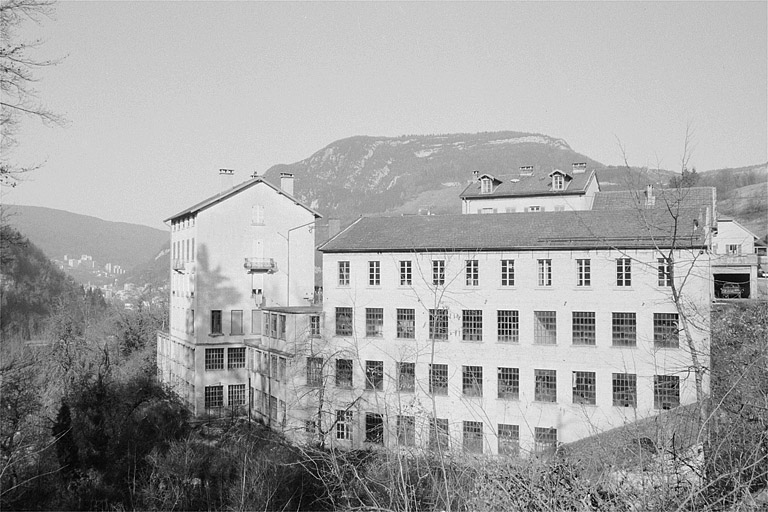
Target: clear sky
[160, 95]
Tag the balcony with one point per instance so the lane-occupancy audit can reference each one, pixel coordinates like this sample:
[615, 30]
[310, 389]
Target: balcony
[260, 265]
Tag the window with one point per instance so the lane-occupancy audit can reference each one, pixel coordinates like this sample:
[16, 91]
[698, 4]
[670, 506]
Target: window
[236, 357]
[733, 249]
[344, 373]
[486, 186]
[472, 273]
[374, 273]
[406, 323]
[665, 330]
[472, 380]
[343, 273]
[486, 211]
[666, 391]
[664, 271]
[216, 321]
[472, 325]
[315, 371]
[584, 388]
[438, 379]
[406, 377]
[624, 330]
[624, 389]
[558, 182]
[545, 272]
[236, 396]
[508, 326]
[438, 272]
[545, 328]
[583, 328]
[509, 383]
[281, 326]
[344, 425]
[545, 439]
[374, 322]
[406, 273]
[374, 428]
[236, 324]
[509, 439]
[374, 375]
[406, 430]
[257, 215]
[534, 208]
[214, 359]
[473, 436]
[438, 434]
[546, 386]
[583, 272]
[255, 321]
[507, 272]
[623, 272]
[214, 396]
[438, 324]
[314, 325]
[510, 209]
[343, 321]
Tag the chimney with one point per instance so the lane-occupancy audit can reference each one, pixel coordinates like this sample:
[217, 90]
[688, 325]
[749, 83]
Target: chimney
[334, 226]
[475, 174]
[226, 179]
[286, 182]
[579, 167]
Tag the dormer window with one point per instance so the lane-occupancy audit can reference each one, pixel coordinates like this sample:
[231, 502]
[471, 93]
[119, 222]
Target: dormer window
[558, 182]
[486, 186]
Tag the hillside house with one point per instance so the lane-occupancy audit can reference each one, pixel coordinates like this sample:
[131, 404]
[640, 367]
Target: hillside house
[734, 261]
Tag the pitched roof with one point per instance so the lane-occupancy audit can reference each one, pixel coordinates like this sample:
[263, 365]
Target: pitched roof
[624, 229]
[693, 197]
[224, 194]
[539, 183]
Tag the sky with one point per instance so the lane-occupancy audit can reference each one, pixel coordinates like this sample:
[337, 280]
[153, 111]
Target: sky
[159, 95]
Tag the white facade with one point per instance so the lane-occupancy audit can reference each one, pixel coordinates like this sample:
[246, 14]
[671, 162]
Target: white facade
[734, 262]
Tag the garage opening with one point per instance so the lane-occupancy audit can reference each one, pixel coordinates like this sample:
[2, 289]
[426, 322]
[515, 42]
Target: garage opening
[732, 286]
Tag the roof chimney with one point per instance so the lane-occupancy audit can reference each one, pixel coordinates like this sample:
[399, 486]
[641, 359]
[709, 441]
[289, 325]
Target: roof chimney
[226, 179]
[579, 167]
[286, 182]
[475, 175]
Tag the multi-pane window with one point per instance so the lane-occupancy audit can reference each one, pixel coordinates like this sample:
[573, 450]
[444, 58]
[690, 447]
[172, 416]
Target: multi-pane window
[236, 395]
[406, 273]
[343, 273]
[546, 386]
[733, 249]
[314, 325]
[216, 322]
[236, 357]
[374, 322]
[509, 383]
[406, 323]
[666, 391]
[583, 328]
[374, 273]
[214, 359]
[438, 434]
[507, 272]
[664, 271]
[406, 430]
[473, 436]
[508, 325]
[438, 324]
[472, 325]
[281, 326]
[472, 273]
[545, 272]
[374, 428]
[438, 272]
[583, 272]
[545, 327]
[406, 377]
[214, 396]
[344, 373]
[343, 321]
[236, 321]
[545, 439]
[665, 330]
[623, 272]
[344, 425]
[472, 380]
[438, 379]
[624, 389]
[584, 385]
[624, 329]
[509, 439]
[315, 371]
[558, 182]
[374, 375]
[256, 316]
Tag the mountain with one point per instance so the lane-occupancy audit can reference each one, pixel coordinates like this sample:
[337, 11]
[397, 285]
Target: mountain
[153, 271]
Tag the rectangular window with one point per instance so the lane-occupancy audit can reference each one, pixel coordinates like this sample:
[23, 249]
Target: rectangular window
[546, 386]
[257, 215]
[733, 249]
[374, 375]
[236, 357]
[236, 324]
[374, 322]
[509, 383]
[558, 182]
[583, 328]
[406, 273]
[315, 371]
[214, 359]
[624, 389]
[344, 425]
[545, 272]
[584, 386]
[509, 439]
[545, 439]
[281, 327]
[255, 321]
[438, 272]
[624, 330]
[583, 272]
[507, 272]
[438, 324]
[665, 330]
[623, 272]
[406, 323]
[344, 373]
[214, 396]
[343, 273]
[406, 430]
[343, 321]
[472, 273]
[472, 380]
[508, 325]
[438, 434]
[374, 273]
[374, 428]
[406, 377]
[486, 186]
[314, 326]
[545, 328]
[472, 325]
[216, 321]
[473, 436]
[534, 208]
[664, 272]
[236, 395]
[438, 379]
[666, 391]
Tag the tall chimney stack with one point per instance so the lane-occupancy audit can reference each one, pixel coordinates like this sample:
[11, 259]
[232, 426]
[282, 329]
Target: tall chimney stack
[286, 182]
[226, 179]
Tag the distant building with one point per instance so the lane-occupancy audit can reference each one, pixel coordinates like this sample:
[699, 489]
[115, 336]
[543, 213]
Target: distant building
[735, 261]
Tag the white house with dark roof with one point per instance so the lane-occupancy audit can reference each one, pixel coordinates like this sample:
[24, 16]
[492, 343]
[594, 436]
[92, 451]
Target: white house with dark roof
[734, 261]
